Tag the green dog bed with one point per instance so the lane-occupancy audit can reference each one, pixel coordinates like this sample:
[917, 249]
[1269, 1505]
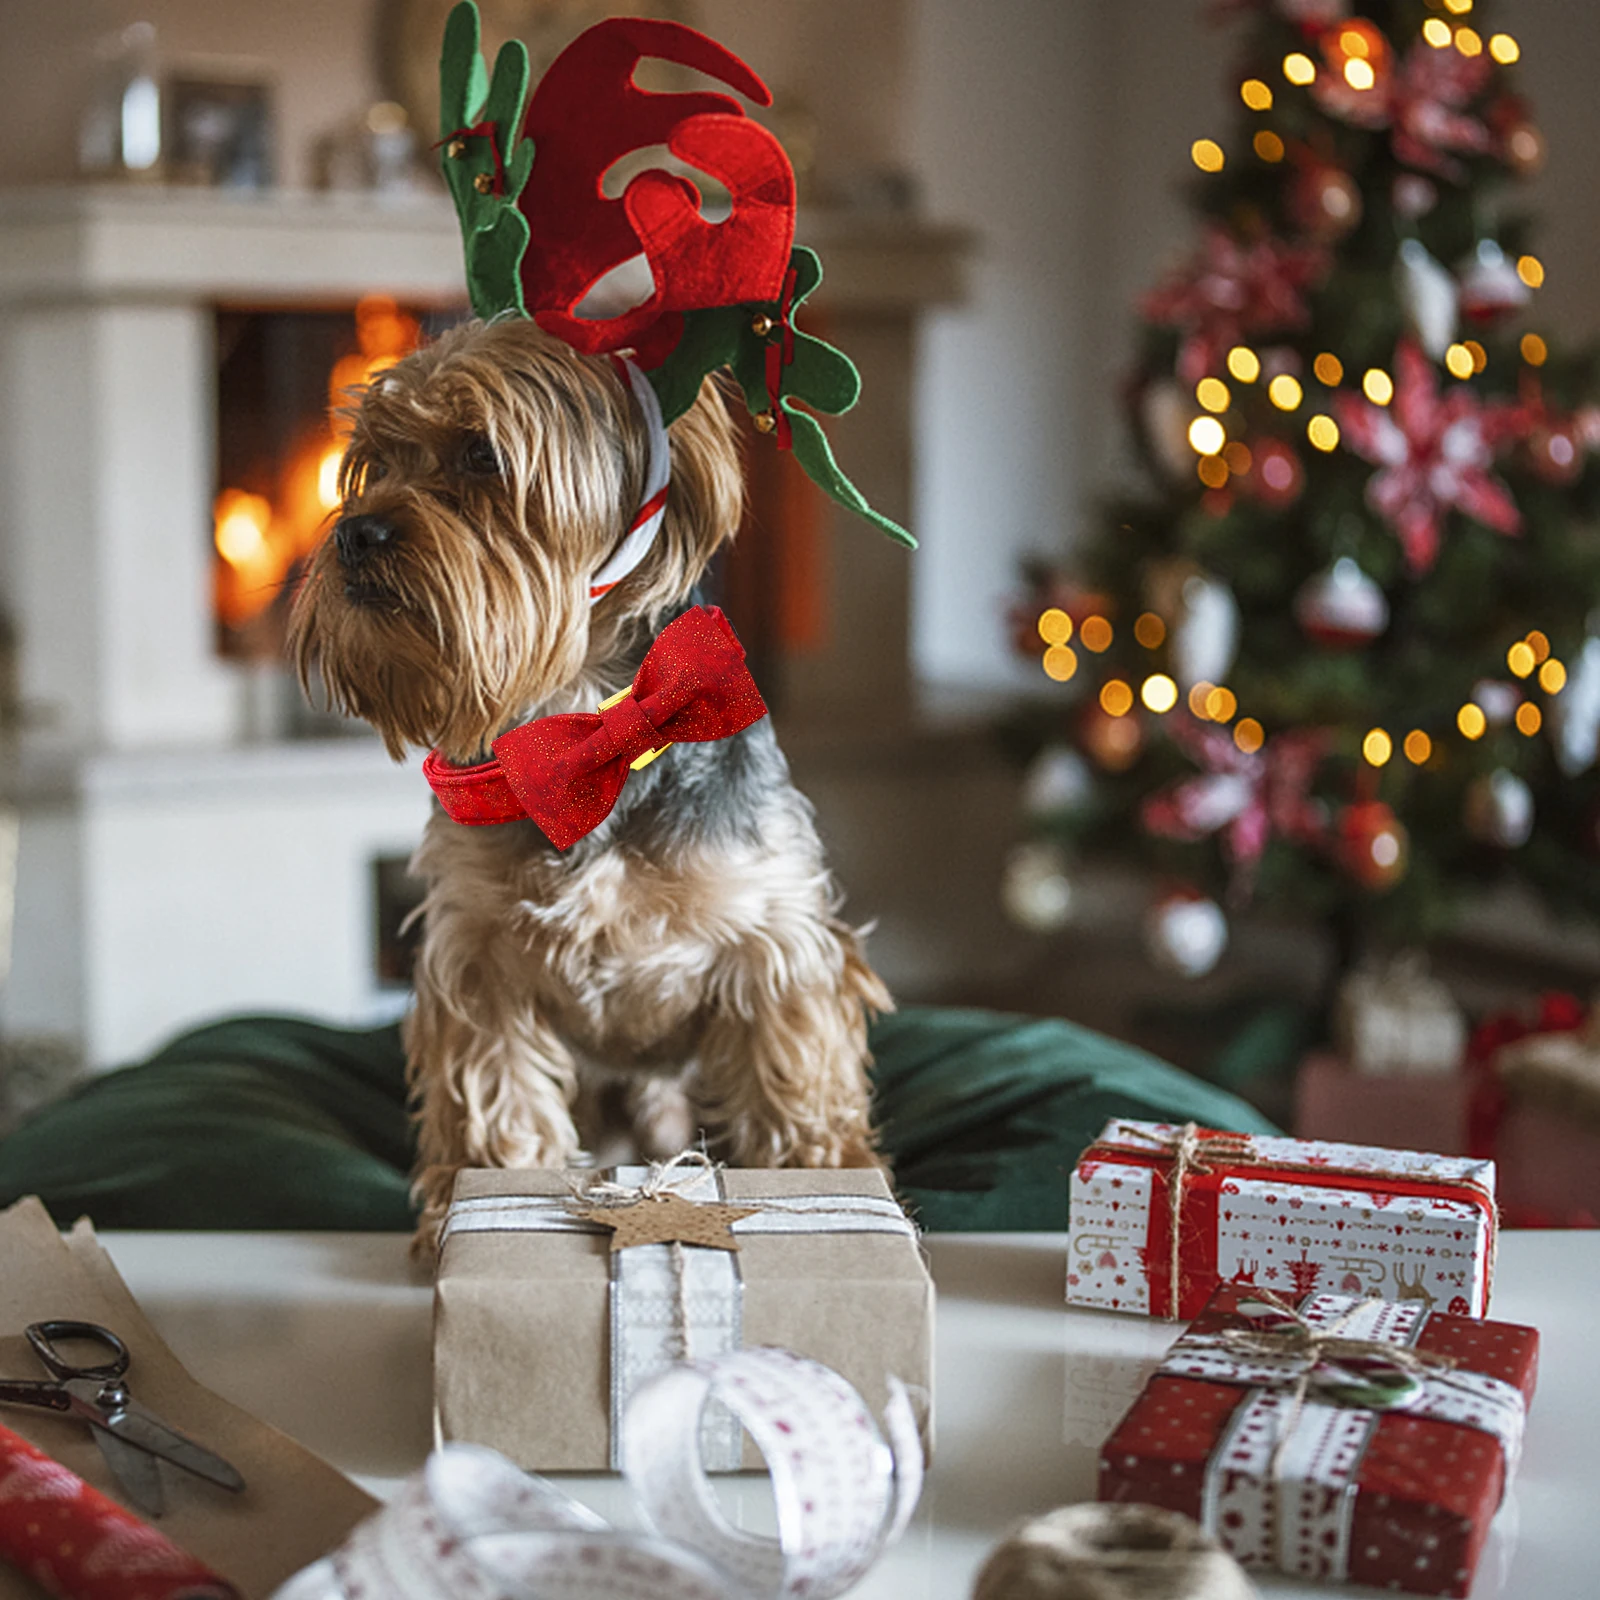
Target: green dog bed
[282, 1122]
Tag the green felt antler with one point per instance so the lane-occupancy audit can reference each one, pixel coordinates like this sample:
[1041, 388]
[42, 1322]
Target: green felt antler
[823, 377]
[486, 160]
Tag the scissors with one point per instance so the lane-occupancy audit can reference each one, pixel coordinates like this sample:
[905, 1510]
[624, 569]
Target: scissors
[132, 1439]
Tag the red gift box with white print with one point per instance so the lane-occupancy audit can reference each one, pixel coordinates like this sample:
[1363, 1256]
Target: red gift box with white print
[1348, 1440]
[1160, 1215]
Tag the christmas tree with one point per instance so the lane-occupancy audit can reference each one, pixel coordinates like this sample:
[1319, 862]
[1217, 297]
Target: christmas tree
[1339, 657]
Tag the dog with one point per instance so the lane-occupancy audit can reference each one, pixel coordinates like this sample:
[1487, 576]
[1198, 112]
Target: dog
[679, 973]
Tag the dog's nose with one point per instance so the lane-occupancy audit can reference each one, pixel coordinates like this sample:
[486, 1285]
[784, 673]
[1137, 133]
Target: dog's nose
[360, 537]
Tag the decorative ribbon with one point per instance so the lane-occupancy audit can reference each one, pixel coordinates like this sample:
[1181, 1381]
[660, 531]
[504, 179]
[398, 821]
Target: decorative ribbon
[1280, 1484]
[470, 1526]
[1193, 1151]
[669, 1303]
[566, 772]
[780, 354]
[77, 1544]
[642, 531]
[482, 130]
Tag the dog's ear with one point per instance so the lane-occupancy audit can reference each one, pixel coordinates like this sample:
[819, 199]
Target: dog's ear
[704, 501]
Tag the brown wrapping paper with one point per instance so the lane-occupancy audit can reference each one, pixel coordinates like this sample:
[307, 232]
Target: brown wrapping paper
[295, 1507]
[521, 1319]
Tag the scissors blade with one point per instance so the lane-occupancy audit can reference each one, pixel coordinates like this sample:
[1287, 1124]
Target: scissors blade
[136, 1470]
[145, 1431]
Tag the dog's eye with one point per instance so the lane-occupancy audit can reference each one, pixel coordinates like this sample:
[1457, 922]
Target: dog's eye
[479, 457]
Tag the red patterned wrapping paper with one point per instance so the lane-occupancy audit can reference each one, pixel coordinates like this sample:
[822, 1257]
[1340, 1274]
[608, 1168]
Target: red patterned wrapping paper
[75, 1543]
[1290, 1215]
[1424, 1490]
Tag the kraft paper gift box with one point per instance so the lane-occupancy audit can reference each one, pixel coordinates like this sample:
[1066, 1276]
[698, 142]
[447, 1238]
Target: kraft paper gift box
[1160, 1215]
[541, 1330]
[1369, 1474]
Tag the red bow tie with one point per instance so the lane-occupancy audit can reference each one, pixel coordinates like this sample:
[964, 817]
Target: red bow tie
[566, 772]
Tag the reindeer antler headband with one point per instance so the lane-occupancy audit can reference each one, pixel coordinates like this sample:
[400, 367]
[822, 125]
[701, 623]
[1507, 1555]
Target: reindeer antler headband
[540, 232]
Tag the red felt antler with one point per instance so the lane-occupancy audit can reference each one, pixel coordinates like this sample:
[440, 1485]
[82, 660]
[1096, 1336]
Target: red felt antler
[587, 114]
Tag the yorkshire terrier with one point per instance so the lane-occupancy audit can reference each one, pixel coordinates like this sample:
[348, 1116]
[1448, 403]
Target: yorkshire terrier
[678, 973]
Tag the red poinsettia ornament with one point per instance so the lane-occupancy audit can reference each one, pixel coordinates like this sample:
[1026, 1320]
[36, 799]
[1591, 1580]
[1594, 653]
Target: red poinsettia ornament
[1433, 455]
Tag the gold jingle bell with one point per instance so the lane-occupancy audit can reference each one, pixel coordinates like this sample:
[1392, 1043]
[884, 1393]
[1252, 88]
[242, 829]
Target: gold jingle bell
[456, 149]
[483, 183]
[765, 422]
[761, 325]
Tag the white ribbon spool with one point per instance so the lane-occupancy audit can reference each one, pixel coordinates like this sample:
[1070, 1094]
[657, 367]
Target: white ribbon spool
[471, 1526]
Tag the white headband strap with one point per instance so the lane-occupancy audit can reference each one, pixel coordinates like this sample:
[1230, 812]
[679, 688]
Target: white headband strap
[646, 524]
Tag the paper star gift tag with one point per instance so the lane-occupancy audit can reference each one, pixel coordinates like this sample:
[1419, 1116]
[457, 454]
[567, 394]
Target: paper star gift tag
[668, 1219]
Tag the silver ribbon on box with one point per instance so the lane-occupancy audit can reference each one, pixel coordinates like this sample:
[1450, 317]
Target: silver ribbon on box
[470, 1526]
[646, 1284]
[1280, 1485]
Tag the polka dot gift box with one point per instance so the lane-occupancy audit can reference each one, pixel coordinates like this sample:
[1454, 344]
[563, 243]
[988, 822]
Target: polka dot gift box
[1332, 1437]
[1160, 1215]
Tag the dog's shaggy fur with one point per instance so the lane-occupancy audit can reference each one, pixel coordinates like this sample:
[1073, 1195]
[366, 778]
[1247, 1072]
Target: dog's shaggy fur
[680, 970]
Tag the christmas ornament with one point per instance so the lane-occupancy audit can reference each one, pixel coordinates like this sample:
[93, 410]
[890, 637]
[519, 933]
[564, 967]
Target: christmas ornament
[1432, 453]
[539, 234]
[1325, 201]
[1275, 477]
[1165, 411]
[1113, 743]
[1058, 781]
[1229, 292]
[1342, 607]
[1034, 887]
[1574, 714]
[1359, 64]
[1499, 810]
[1205, 632]
[1490, 284]
[1428, 297]
[1373, 847]
[1524, 149]
[1413, 195]
[1554, 453]
[1186, 934]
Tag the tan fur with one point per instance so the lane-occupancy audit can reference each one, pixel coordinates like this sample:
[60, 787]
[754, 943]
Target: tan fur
[712, 991]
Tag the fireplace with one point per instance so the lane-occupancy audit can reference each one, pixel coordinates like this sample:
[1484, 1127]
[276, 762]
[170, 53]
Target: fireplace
[193, 840]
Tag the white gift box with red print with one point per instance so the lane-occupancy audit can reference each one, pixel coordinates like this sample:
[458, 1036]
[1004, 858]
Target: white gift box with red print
[1160, 1215]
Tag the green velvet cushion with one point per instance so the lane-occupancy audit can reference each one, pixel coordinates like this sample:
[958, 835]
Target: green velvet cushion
[279, 1122]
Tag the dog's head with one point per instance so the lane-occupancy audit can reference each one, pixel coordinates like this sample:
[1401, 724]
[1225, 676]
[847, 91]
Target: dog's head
[488, 477]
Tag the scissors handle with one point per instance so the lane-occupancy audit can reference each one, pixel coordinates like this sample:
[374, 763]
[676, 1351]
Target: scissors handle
[42, 1336]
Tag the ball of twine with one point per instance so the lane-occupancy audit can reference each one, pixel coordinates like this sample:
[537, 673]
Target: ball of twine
[1111, 1552]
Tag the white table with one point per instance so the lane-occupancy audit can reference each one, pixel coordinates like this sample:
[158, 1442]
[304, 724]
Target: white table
[327, 1336]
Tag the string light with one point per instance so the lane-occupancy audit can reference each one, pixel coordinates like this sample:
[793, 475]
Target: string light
[1534, 349]
[1418, 747]
[1521, 659]
[1159, 693]
[1469, 42]
[1244, 363]
[1377, 747]
[1060, 662]
[1258, 96]
[1221, 704]
[1267, 145]
[1504, 49]
[1055, 626]
[1539, 643]
[1531, 270]
[1116, 698]
[1458, 8]
[1206, 436]
[1480, 356]
[1238, 457]
[1249, 735]
[1458, 359]
[1150, 630]
[1377, 386]
[1530, 719]
[1323, 432]
[1198, 696]
[1285, 392]
[1213, 394]
[1329, 369]
[1552, 676]
[1095, 634]
[1359, 74]
[1212, 471]
[1437, 32]
[1207, 155]
[1471, 721]
[1299, 69]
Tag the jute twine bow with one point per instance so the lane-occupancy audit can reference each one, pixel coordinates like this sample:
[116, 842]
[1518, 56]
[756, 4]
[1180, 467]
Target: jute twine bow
[1111, 1552]
[1191, 1152]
